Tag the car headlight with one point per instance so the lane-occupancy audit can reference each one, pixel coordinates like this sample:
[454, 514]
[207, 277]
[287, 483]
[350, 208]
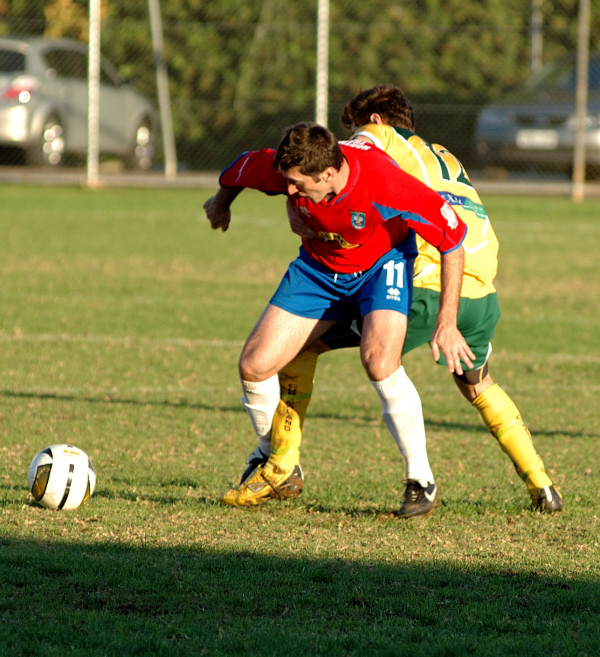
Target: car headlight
[590, 122]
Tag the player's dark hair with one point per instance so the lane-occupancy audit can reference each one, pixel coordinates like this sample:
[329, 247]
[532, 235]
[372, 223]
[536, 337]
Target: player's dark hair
[310, 147]
[387, 100]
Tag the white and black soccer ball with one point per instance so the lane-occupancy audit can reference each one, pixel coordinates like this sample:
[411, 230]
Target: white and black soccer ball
[61, 477]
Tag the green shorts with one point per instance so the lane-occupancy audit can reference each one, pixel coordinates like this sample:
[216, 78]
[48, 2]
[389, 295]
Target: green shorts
[477, 319]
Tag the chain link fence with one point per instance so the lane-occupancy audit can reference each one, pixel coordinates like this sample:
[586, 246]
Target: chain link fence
[239, 73]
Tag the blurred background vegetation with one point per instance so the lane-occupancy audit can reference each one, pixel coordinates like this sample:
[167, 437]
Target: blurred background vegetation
[239, 72]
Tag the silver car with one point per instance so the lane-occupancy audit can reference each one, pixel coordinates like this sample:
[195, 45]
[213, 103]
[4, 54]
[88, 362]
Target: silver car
[44, 102]
[535, 124]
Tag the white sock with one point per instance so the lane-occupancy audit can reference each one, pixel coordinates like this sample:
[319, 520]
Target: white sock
[261, 399]
[403, 416]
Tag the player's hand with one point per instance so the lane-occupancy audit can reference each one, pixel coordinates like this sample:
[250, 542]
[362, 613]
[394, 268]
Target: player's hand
[448, 340]
[218, 214]
[297, 222]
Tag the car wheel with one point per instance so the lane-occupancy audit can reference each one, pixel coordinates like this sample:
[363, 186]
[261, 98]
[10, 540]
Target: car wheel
[592, 172]
[141, 151]
[48, 149]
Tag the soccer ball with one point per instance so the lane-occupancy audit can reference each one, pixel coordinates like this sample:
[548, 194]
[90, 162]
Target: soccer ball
[61, 477]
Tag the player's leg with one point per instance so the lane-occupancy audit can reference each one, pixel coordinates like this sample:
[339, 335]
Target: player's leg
[477, 322]
[273, 469]
[294, 319]
[276, 339]
[260, 399]
[294, 389]
[296, 382]
[281, 445]
[401, 406]
[385, 320]
[503, 420]
[267, 346]
[301, 303]
[281, 437]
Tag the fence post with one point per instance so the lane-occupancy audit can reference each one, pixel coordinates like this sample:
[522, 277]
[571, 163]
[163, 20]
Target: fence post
[581, 98]
[162, 83]
[92, 178]
[322, 61]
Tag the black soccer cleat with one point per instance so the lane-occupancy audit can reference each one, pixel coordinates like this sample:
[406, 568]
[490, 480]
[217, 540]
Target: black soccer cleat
[256, 459]
[547, 499]
[419, 501]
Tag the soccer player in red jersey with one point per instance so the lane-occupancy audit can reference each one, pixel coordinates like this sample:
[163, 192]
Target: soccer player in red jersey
[364, 212]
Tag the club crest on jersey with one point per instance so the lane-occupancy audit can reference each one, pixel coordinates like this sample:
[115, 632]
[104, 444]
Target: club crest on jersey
[449, 216]
[358, 219]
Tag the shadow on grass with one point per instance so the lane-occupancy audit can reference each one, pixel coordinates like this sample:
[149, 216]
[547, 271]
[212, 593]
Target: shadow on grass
[185, 403]
[113, 599]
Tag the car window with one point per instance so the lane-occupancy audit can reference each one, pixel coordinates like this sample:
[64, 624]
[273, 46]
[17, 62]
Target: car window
[67, 63]
[569, 79]
[11, 61]
[72, 64]
[107, 77]
[594, 77]
[562, 75]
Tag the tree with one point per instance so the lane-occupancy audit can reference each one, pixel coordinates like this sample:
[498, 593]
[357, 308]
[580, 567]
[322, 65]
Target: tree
[239, 71]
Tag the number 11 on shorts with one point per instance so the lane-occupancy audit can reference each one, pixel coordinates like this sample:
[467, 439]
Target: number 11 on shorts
[394, 270]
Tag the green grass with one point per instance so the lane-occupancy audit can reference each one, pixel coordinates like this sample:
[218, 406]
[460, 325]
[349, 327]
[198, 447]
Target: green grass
[122, 318]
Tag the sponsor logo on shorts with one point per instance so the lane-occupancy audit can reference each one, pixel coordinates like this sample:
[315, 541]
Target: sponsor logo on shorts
[393, 293]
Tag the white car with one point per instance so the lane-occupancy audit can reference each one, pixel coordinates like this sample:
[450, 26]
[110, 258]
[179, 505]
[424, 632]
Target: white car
[44, 103]
[535, 124]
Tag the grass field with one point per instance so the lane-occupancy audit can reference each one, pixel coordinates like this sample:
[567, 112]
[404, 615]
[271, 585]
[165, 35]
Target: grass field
[122, 318]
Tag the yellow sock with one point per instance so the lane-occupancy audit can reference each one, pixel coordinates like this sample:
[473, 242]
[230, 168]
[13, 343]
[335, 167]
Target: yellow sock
[503, 420]
[296, 382]
[286, 437]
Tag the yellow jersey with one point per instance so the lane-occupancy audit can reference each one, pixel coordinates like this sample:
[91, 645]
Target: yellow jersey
[440, 170]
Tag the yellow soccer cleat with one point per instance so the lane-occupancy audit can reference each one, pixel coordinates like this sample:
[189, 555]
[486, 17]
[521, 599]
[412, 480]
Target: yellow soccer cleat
[266, 482]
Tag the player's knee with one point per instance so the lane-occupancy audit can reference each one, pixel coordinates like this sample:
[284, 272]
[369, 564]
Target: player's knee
[473, 377]
[473, 382]
[252, 368]
[379, 366]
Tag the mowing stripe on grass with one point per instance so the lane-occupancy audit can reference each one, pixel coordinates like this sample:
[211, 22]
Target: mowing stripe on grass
[110, 339]
[559, 357]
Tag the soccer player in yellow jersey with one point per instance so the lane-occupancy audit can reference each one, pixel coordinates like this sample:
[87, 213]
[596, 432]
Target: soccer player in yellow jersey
[383, 115]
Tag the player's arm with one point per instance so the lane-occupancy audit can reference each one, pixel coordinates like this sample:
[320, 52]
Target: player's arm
[433, 219]
[446, 338]
[253, 169]
[218, 207]
[298, 224]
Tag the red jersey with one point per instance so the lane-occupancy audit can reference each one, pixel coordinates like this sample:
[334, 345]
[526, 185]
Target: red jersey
[374, 212]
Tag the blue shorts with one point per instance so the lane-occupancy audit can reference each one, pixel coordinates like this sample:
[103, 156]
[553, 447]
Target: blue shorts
[310, 290]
